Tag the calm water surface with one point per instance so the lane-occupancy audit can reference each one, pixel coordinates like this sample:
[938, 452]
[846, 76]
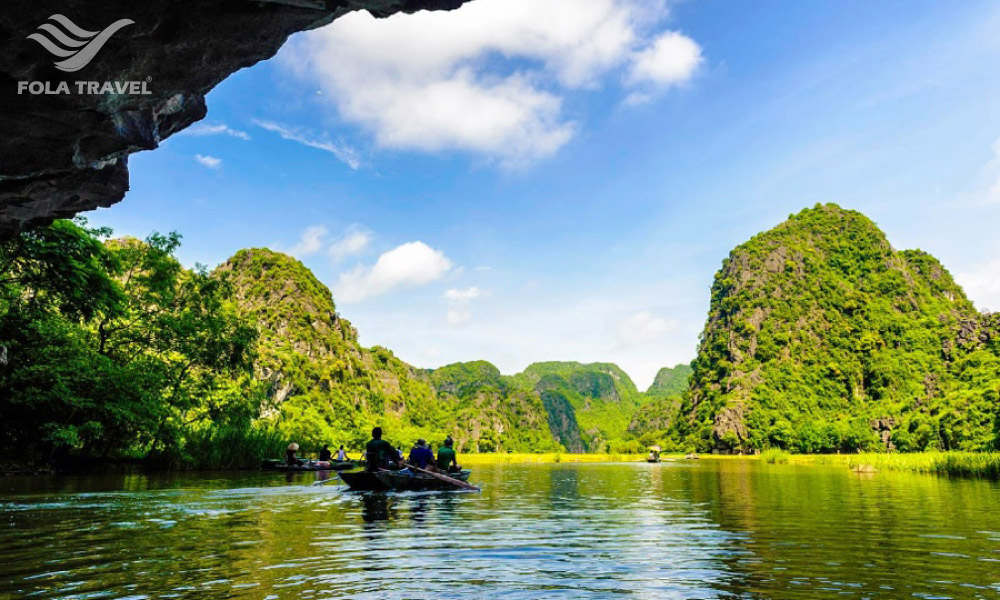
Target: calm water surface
[708, 529]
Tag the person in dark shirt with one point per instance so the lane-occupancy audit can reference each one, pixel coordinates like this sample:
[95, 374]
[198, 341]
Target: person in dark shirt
[421, 456]
[378, 452]
[325, 455]
[447, 460]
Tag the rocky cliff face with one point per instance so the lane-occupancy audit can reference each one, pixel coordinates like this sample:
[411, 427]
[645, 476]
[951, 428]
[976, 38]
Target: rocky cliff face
[64, 153]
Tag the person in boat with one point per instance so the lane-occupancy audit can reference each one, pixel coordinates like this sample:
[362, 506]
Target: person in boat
[325, 455]
[341, 455]
[421, 456]
[290, 457]
[379, 454]
[447, 460]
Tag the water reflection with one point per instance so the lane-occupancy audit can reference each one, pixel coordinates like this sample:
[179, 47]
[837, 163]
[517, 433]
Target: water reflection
[714, 529]
[375, 507]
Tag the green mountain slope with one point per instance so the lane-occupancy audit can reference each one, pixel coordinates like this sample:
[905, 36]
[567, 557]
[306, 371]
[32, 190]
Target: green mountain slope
[601, 397]
[670, 381]
[326, 388]
[822, 337]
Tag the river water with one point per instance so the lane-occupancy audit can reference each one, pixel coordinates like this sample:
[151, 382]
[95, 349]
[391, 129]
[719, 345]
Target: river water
[693, 529]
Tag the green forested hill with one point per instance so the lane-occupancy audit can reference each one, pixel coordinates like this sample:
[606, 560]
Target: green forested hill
[590, 405]
[323, 385]
[671, 381]
[822, 337]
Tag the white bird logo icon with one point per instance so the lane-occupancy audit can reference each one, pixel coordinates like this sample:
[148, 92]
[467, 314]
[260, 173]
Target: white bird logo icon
[73, 43]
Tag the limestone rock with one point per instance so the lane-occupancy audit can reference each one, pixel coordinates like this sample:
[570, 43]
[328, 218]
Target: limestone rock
[65, 153]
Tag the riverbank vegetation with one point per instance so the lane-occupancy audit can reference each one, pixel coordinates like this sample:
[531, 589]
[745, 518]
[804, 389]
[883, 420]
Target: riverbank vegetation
[821, 339]
[114, 349]
[963, 464]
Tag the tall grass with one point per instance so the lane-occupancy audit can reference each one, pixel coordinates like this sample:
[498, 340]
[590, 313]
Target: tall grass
[774, 456]
[227, 447]
[964, 464]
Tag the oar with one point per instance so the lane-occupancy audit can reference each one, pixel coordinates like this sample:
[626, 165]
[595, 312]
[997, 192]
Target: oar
[322, 481]
[455, 482]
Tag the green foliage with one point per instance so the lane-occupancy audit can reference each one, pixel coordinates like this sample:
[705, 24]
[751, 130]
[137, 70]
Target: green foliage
[113, 348]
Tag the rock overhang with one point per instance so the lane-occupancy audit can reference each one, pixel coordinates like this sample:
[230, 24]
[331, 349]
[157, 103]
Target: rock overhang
[67, 150]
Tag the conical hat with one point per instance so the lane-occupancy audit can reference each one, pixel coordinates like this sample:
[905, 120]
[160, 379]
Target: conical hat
[293, 446]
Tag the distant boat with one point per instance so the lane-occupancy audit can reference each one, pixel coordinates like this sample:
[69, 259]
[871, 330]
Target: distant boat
[277, 464]
[400, 481]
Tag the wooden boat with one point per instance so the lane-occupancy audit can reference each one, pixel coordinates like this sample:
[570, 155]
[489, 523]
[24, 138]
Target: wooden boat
[653, 460]
[277, 464]
[399, 481]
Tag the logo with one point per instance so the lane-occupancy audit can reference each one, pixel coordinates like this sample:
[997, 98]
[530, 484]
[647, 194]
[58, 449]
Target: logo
[71, 42]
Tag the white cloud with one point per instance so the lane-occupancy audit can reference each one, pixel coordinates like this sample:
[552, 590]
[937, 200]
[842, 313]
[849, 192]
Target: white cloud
[671, 59]
[488, 78]
[310, 242]
[209, 161]
[643, 327]
[982, 284]
[201, 129]
[459, 301]
[353, 242]
[346, 154]
[409, 265]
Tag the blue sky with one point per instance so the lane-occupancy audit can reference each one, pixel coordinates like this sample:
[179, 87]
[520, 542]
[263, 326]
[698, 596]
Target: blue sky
[526, 180]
